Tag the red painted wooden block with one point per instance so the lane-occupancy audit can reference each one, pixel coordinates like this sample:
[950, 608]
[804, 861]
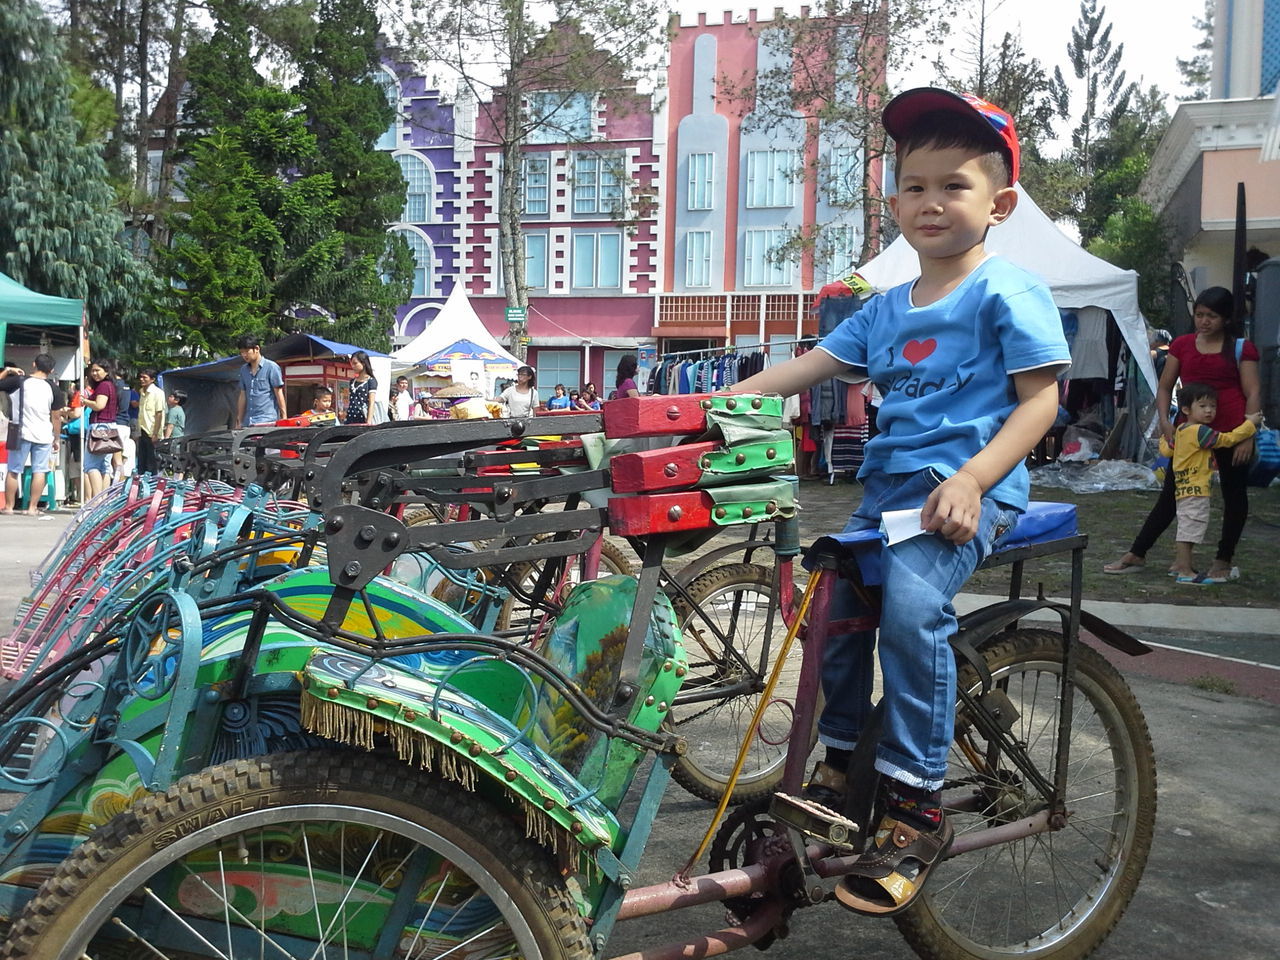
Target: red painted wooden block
[654, 416]
[670, 468]
[659, 513]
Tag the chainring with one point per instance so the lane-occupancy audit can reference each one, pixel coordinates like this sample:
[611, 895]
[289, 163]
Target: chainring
[747, 836]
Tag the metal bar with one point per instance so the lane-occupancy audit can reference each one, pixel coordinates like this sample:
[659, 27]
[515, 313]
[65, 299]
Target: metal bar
[1030, 551]
[705, 888]
[763, 920]
[641, 612]
[807, 685]
[1066, 696]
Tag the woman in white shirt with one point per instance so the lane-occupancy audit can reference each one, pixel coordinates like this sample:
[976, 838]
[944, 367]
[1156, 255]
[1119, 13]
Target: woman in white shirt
[521, 398]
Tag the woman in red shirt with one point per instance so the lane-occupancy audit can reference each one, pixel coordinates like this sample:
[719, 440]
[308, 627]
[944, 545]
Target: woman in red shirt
[1215, 355]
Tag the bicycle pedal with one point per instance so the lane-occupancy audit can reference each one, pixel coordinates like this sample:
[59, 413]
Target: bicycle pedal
[813, 819]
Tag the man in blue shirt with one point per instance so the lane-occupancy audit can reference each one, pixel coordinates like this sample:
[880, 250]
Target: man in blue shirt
[261, 399]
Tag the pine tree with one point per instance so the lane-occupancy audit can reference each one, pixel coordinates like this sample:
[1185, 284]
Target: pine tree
[58, 221]
[346, 111]
[1197, 70]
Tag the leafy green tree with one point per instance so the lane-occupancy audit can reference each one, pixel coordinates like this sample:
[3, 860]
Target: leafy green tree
[1120, 160]
[525, 75]
[59, 227]
[1135, 238]
[346, 111]
[1197, 70]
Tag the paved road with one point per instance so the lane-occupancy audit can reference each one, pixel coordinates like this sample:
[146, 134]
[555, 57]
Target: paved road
[1210, 883]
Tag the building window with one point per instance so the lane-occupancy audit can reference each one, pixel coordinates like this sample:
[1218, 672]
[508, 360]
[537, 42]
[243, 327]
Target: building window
[760, 269]
[155, 169]
[559, 117]
[391, 90]
[535, 260]
[771, 178]
[535, 184]
[136, 241]
[697, 260]
[702, 180]
[419, 192]
[843, 245]
[597, 260]
[596, 185]
[423, 261]
[844, 176]
[558, 366]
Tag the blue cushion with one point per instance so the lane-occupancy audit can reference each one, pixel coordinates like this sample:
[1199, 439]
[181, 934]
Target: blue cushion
[1042, 522]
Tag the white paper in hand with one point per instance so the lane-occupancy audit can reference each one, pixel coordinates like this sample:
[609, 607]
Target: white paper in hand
[899, 525]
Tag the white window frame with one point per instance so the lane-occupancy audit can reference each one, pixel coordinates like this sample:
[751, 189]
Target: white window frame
[771, 178]
[596, 186]
[758, 270]
[416, 162]
[429, 268]
[843, 246]
[535, 198]
[844, 174]
[702, 181]
[543, 103]
[697, 258]
[546, 266]
[595, 238]
[547, 381]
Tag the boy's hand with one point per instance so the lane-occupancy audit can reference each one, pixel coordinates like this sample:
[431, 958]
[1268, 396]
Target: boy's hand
[1255, 417]
[954, 508]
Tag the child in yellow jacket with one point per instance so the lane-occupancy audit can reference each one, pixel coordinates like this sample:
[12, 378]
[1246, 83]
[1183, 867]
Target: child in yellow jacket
[1193, 442]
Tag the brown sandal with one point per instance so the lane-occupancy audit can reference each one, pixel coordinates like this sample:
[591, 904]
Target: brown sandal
[890, 874]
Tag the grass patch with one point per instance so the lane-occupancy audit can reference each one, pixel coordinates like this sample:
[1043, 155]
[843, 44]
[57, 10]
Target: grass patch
[1111, 521]
[1212, 683]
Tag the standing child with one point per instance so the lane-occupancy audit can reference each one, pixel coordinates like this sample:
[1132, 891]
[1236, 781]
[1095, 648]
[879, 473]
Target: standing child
[175, 418]
[966, 358]
[1193, 443]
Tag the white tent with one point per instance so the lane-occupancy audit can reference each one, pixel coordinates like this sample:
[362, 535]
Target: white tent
[1076, 277]
[457, 320]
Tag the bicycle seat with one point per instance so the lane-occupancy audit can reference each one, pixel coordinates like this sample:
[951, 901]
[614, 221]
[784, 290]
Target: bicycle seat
[1042, 522]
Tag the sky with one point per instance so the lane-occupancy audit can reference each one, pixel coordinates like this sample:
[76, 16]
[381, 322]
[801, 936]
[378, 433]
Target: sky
[1153, 36]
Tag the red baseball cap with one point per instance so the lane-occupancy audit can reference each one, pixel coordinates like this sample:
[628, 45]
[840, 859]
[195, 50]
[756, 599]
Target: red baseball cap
[904, 110]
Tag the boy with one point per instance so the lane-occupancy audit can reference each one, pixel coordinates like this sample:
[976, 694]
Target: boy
[321, 405]
[1192, 467]
[175, 418]
[966, 358]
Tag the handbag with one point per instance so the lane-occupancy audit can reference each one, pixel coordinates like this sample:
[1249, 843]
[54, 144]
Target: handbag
[1266, 458]
[13, 435]
[103, 438]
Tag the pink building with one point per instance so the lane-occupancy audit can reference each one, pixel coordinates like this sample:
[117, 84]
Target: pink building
[588, 183]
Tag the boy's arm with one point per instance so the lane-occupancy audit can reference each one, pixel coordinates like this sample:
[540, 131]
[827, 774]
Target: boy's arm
[1229, 438]
[792, 376]
[955, 506]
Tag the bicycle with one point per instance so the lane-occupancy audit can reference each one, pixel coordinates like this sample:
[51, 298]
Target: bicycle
[327, 759]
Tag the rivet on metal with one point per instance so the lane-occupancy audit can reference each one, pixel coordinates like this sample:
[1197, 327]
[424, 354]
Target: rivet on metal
[368, 532]
[662, 707]
[720, 512]
[670, 469]
[770, 453]
[705, 463]
[747, 511]
[455, 737]
[680, 671]
[648, 701]
[371, 703]
[706, 404]
[757, 403]
[476, 750]
[673, 413]
[548, 804]
[740, 459]
[771, 507]
[667, 666]
[510, 775]
[674, 514]
[333, 693]
[575, 827]
[730, 403]
[410, 716]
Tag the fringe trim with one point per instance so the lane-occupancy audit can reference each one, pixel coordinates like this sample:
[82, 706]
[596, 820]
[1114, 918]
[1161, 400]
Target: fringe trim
[344, 724]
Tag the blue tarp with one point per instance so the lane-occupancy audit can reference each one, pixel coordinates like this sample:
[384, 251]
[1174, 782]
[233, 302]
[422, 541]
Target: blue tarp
[293, 348]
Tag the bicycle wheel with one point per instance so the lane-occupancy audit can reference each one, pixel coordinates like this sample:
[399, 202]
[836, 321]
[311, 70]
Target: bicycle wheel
[299, 855]
[1057, 894]
[729, 662]
[516, 613]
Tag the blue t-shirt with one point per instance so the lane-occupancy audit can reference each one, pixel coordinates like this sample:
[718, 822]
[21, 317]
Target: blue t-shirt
[259, 390]
[945, 370]
[558, 403]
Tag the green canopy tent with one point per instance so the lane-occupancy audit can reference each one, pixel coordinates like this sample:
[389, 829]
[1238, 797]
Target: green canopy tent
[24, 313]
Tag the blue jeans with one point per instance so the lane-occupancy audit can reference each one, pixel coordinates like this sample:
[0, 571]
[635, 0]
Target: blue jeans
[921, 576]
